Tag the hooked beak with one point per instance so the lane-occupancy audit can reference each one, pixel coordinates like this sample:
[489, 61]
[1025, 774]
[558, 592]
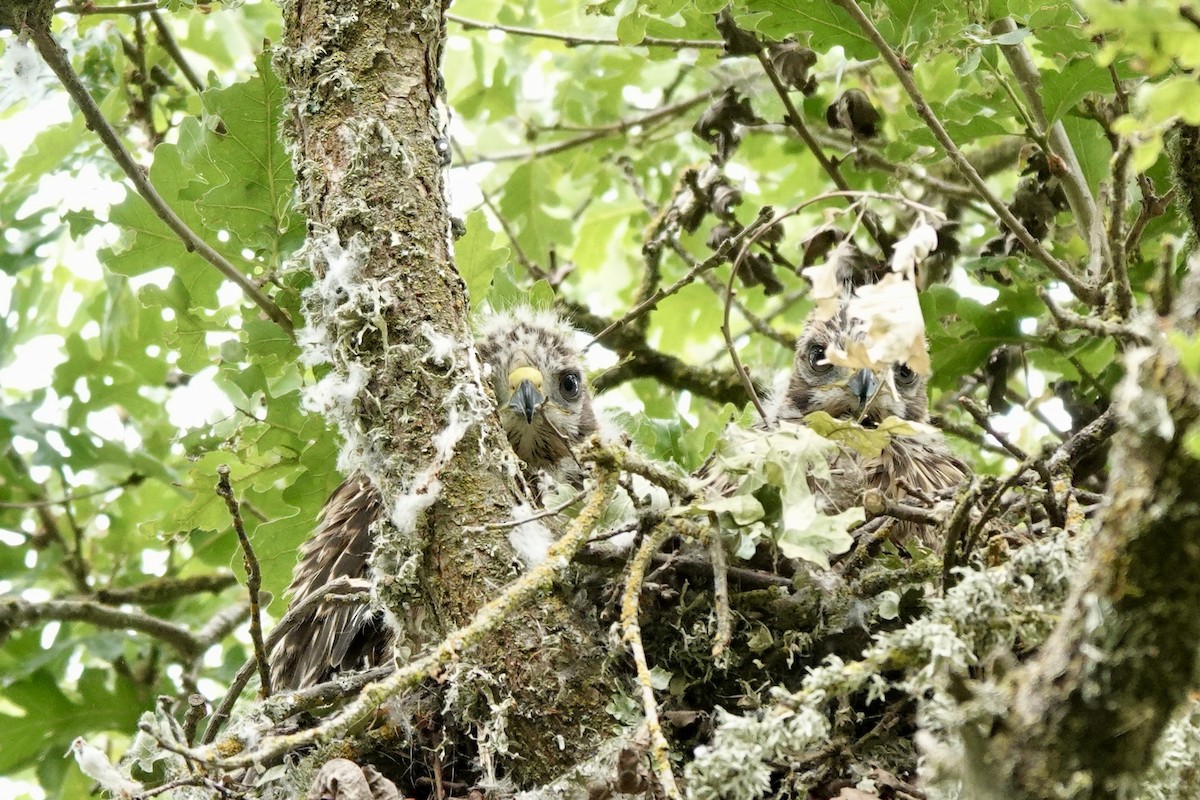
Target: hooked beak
[524, 383]
[862, 385]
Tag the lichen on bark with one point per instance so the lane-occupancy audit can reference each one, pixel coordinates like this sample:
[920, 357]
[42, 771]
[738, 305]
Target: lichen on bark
[364, 122]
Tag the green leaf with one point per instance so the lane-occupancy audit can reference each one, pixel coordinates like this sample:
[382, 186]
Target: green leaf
[1062, 90]
[742, 508]
[244, 164]
[828, 25]
[478, 257]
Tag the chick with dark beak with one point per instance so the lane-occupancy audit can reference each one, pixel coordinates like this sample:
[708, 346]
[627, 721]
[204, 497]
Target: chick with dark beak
[863, 385]
[525, 384]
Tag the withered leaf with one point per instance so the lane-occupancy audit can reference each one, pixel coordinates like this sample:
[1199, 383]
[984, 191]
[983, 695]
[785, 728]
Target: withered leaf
[854, 112]
[793, 61]
[718, 123]
[738, 40]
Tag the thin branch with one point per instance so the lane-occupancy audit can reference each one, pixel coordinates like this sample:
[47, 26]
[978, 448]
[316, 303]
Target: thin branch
[133, 480]
[573, 40]
[15, 611]
[166, 590]
[1116, 234]
[321, 695]
[1050, 499]
[86, 9]
[719, 257]
[1075, 186]
[1069, 319]
[1085, 440]
[513, 523]
[491, 616]
[652, 471]
[223, 623]
[167, 40]
[660, 753]
[720, 567]
[58, 61]
[1082, 290]
[253, 579]
[878, 505]
[882, 240]
[641, 360]
[757, 229]
[73, 561]
[603, 132]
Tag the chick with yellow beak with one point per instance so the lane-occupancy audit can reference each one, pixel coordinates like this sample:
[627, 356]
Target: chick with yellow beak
[525, 384]
[536, 373]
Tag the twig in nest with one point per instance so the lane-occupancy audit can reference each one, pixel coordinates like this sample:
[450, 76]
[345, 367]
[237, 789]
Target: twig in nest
[720, 564]
[285, 704]
[660, 755]
[253, 579]
[1050, 499]
[512, 523]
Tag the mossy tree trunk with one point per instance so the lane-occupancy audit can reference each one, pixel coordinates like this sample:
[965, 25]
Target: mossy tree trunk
[389, 310]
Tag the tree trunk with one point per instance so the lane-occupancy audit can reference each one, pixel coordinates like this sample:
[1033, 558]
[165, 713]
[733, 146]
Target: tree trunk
[388, 309]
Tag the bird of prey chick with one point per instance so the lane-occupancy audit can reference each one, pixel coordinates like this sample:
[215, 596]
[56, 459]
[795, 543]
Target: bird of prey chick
[536, 374]
[545, 409]
[918, 463]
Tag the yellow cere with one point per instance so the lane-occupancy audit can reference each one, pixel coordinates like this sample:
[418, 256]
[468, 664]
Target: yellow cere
[524, 374]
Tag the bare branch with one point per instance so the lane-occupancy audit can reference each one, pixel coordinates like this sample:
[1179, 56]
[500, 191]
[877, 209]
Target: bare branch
[17, 612]
[167, 40]
[660, 752]
[573, 40]
[603, 132]
[166, 590]
[253, 579]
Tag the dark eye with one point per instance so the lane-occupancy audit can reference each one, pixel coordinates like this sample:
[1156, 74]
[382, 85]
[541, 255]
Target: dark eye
[904, 375]
[568, 384]
[816, 358]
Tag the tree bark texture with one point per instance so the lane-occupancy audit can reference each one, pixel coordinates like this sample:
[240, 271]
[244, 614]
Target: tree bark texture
[1089, 710]
[389, 310]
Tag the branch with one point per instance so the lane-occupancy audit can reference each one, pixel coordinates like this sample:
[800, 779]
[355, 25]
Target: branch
[166, 590]
[660, 752]
[642, 361]
[56, 58]
[167, 40]
[1088, 711]
[1074, 184]
[253, 579]
[342, 588]
[882, 240]
[286, 704]
[1084, 441]
[1069, 319]
[614, 129]
[1082, 290]
[572, 40]
[85, 9]
[17, 612]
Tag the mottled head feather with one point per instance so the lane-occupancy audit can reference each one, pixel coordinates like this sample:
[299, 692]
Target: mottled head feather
[817, 385]
[524, 339]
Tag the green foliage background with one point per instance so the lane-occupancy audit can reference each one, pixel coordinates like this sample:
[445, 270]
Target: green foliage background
[553, 135]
